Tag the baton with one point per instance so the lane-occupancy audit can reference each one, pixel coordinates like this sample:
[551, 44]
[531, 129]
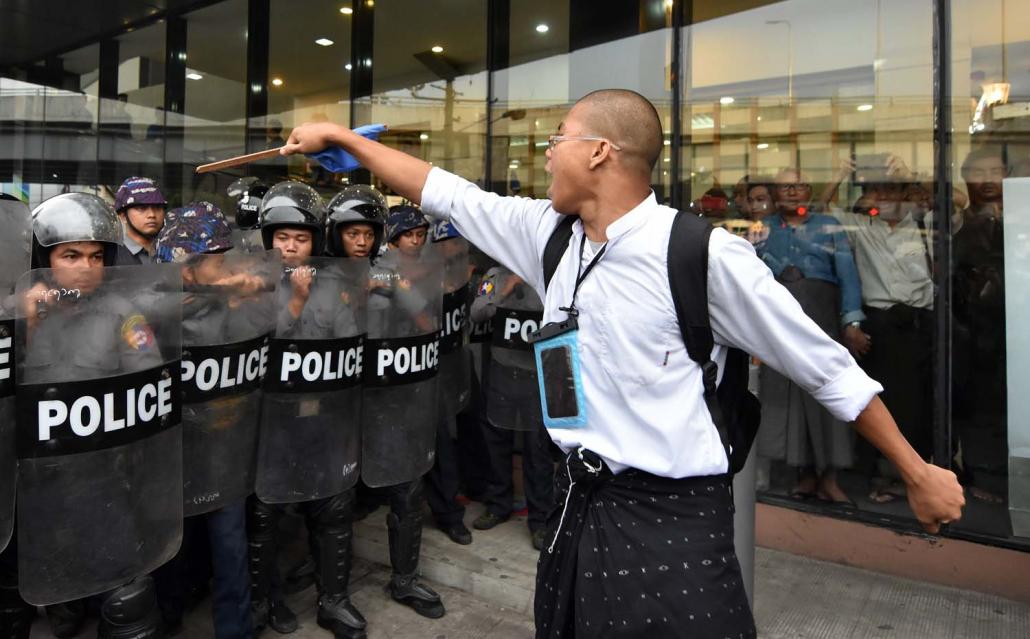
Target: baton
[238, 160]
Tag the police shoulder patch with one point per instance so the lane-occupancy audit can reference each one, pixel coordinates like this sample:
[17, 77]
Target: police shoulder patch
[136, 332]
[486, 288]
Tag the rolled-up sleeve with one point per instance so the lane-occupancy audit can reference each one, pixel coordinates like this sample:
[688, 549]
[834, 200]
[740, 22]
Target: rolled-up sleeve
[750, 310]
[512, 230]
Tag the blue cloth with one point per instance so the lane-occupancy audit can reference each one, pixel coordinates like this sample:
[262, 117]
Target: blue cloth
[337, 160]
[820, 249]
[230, 601]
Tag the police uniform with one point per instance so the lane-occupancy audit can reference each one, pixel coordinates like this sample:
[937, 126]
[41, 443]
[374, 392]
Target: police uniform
[512, 393]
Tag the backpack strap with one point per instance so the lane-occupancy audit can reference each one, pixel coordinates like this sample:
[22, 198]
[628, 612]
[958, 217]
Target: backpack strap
[556, 246]
[688, 281]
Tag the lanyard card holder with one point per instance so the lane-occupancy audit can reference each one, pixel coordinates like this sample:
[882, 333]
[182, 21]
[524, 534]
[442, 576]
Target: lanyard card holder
[556, 348]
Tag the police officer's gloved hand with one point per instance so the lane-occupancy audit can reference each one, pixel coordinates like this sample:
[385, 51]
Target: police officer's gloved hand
[337, 160]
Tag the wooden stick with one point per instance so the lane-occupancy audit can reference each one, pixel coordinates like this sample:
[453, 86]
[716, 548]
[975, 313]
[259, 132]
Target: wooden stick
[238, 160]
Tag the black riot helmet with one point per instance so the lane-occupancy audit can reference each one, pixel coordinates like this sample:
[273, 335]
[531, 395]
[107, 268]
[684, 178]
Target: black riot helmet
[248, 193]
[355, 204]
[74, 217]
[294, 205]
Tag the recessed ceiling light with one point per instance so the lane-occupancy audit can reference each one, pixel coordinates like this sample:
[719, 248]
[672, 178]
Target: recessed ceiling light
[542, 28]
[667, 142]
[325, 42]
[763, 145]
[865, 107]
[194, 76]
[437, 49]
[726, 100]
[370, 3]
[667, 160]
[346, 11]
[277, 82]
[348, 66]
[423, 136]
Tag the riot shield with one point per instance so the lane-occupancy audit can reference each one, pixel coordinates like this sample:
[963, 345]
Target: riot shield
[227, 315]
[455, 369]
[400, 403]
[512, 394]
[310, 442]
[99, 441]
[15, 244]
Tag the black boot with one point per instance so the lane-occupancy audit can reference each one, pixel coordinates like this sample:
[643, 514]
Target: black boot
[405, 544]
[268, 610]
[15, 615]
[66, 618]
[300, 577]
[131, 612]
[330, 538]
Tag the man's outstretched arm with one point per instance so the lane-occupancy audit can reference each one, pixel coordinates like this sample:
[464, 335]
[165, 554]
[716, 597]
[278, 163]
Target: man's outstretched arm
[933, 493]
[403, 173]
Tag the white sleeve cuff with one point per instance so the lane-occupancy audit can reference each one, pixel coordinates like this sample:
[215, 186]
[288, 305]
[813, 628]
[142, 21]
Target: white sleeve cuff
[438, 193]
[848, 394]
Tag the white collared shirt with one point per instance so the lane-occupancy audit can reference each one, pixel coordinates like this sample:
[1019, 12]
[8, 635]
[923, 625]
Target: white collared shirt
[643, 393]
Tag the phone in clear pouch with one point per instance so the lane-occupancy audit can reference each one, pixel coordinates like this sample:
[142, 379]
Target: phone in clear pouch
[556, 348]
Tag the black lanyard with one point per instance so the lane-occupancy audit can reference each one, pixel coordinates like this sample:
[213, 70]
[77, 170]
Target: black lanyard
[582, 275]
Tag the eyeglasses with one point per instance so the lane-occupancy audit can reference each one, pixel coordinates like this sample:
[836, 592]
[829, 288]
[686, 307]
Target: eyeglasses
[553, 140]
[786, 188]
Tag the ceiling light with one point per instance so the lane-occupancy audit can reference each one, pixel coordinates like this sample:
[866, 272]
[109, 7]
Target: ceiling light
[348, 66]
[668, 4]
[370, 3]
[865, 107]
[325, 42]
[726, 100]
[667, 142]
[423, 136]
[346, 11]
[763, 145]
[277, 82]
[194, 76]
[542, 28]
[437, 49]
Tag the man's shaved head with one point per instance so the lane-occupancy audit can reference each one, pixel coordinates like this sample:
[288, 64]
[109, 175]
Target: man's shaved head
[629, 120]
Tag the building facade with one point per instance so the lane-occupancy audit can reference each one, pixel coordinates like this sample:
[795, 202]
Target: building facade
[745, 89]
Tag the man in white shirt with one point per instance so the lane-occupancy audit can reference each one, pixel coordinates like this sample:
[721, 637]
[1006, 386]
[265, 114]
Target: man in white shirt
[647, 545]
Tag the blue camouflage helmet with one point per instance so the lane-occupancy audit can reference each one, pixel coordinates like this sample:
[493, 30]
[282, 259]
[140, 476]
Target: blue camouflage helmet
[403, 218]
[199, 227]
[138, 191]
[443, 230]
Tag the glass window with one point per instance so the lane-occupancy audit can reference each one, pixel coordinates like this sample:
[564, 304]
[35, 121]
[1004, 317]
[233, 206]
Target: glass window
[214, 124]
[429, 86]
[132, 121]
[559, 52]
[809, 129]
[990, 107]
[308, 81]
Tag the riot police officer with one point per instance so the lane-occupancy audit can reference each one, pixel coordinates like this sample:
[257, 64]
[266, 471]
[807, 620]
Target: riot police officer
[443, 480]
[140, 205]
[227, 313]
[310, 446]
[513, 402]
[355, 224]
[80, 325]
[399, 411]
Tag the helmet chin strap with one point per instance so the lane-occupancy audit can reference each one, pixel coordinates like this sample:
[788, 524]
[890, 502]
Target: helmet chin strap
[128, 222]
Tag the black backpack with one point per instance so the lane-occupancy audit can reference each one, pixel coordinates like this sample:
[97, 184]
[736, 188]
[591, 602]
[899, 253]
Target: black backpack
[735, 411]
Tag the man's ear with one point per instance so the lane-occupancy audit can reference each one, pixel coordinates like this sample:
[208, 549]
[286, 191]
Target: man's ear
[600, 154]
[188, 276]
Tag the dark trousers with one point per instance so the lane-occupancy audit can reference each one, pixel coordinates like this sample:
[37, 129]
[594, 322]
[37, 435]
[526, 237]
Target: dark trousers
[443, 481]
[230, 605]
[537, 473]
[473, 455]
[901, 359]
